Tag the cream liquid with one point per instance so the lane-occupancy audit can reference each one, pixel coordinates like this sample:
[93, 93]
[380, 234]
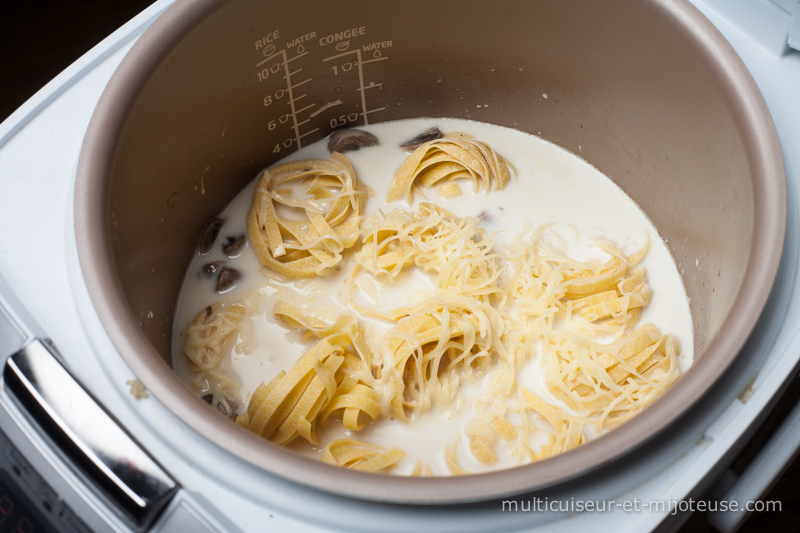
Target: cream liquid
[552, 187]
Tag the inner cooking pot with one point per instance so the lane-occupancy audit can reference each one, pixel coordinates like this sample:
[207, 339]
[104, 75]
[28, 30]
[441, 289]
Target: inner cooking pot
[647, 91]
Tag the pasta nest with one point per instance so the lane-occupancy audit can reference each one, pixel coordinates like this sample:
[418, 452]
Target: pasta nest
[359, 455]
[452, 157]
[334, 376]
[308, 244]
[213, 333]
[432, 347]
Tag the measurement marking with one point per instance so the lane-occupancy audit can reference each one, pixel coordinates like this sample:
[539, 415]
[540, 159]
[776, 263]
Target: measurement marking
[325, 107]
[299, 98]
[308, 132]
[373, 86]
[341, 55]
[284, 57]
[361, 89]
[373, 60]
[295, 72]
[361, 86]
[299, 84]
[270, 57]
[291, 99]
[298, 56]
[306, 107]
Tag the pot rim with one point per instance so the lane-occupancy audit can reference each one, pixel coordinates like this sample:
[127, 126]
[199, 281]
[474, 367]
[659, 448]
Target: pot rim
[97, 264]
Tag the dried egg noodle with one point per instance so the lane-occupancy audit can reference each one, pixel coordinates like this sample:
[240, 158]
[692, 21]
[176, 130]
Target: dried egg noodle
[454, 156]
[519, 306]
[304, 249]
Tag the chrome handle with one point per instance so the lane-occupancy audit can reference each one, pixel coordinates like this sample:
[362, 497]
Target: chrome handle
[87, 435]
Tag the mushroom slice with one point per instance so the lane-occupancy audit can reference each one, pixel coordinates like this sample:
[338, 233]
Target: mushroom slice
[209, 234]
[350, 140]
[234, 246]
[228, 278]
[430, 134]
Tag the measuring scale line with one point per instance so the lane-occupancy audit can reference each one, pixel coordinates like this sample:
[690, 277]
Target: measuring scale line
[299, 84]
[337, 56]
[308, 132]
[373, 86]
[306, 107]
[372, 60]
[283, 53]
[288, 77]
[361, 86]
[271, 57]
[298, 56]
[289, 88]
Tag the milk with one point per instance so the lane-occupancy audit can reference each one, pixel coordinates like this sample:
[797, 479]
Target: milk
[552, 187]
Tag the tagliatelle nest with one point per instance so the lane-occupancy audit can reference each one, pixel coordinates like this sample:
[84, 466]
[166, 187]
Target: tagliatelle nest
[432, 346]
[210, 338]
[329, 378]
[212, 333]
[358, 455]
[288, 406]
[297, 248]
[452, 157]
